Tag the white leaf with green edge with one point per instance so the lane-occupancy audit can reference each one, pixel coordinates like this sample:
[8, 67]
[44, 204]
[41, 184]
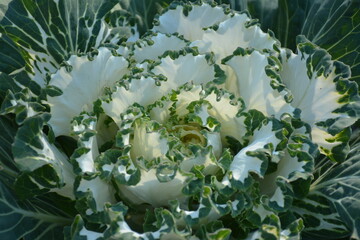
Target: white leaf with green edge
[145, 90]
[243, 164]
[286, 166]
[231, 34]
[206, 212]
[207, 160]
[284, 18]
[278, 197]
[164, 174]
[88, 150]
[182, 100]
[192, 131]
[156, 45]
[214, 140]
[295, 163]
[100, 192]
[291, 169]
[254, 85]
[262, 212]
[273, 229]
[198, 17]
[103, 71]
[106, 130]
[150, 190]
[118, 228]
[146, 143]
[138, 92]
[36, 218]
[322, 92]
[310, 93]
[55, 30]
[231, 124]
[32, 150]
[184, 69]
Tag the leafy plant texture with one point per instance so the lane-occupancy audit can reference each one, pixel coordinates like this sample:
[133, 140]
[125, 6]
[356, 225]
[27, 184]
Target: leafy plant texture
[169, 119]
[333, 25]
[335, 194]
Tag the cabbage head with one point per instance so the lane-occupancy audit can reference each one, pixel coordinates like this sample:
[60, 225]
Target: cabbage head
[193, 124]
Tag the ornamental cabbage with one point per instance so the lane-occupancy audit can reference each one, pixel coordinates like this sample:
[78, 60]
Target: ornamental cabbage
[204, 127]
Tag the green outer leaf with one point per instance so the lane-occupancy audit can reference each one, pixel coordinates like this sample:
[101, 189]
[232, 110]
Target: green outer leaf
[335, 26]
[36, 218]
[33, 150]
[144, 11]
[8, 170]
[28, 144]
[332, 24]
[63, 34]
[49, 31]
[335, 196]
[283, 17]
[23, 103]
[7, 83]
[10, 56]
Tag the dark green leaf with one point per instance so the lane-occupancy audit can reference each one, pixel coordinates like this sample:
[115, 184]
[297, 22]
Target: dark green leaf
[144, 11]
[36, 218]
[332, 24]
[8, 169]
[51, 31]
[332, 208]
[7, 83]
[284, 17]
[335, 26]
[10, 56]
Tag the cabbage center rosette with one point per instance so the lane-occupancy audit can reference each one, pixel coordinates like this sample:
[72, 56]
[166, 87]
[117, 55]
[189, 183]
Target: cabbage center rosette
[163, 153]
[164, 136]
